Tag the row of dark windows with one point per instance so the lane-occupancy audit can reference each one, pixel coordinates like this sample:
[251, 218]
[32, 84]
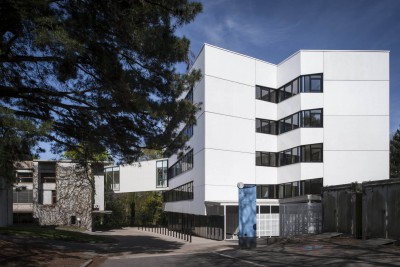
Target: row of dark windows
[303, 84]
[292, 189]
[305, 119]
[305, 153]
[184, 164]
[183, 192]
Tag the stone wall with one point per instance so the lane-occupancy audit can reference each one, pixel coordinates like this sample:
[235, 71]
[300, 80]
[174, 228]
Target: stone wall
[73, 197]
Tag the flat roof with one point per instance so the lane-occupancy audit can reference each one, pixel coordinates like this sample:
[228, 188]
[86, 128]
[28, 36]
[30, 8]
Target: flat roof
[292, 55]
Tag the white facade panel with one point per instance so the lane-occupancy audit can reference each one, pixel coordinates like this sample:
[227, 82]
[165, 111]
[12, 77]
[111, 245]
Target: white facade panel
[312, 136]
[289, 106]
[341, 167]
[356, 133]
[312, 62]
[288, 70]
[228, 168]
[289, 173]
[266, 110]
[356, 98]
[229, 66]
[230, 133]
[266, 74]
[266, 142]
[222, 193]
[266, 175]
[312, 101]
[363, 66]
[312, 170]
[235, 99]
[289, 140]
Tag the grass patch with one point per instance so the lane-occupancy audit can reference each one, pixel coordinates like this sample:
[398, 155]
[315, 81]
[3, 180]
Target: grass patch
[48, 232]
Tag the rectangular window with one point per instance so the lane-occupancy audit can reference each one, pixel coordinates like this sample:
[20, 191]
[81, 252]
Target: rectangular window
[162, 171]
[184, 164]
[189, 96]
[48, 177]
[295, 155]
[112, 181]
[23, 196]
[316, 152]
[295, 86]
[24, 177]
[183, 192]
[53, 197]
[295, 120]
[316, 118]
[316, 83]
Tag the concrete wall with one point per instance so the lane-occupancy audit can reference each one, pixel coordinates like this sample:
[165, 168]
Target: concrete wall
[367, 210]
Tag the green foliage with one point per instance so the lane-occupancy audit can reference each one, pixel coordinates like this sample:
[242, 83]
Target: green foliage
[149, 208]
[143, 208]
[99, 73]
[17, 139]
[395, 155]
[83, 153]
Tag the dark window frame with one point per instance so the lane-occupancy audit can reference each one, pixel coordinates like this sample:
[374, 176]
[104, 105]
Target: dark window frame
[301, 84]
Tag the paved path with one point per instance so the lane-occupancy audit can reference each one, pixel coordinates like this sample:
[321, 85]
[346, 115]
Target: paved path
[134, 243]
[151, 249]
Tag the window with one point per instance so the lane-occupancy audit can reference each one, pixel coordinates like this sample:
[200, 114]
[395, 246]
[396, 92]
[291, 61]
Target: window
[188, 131]
[305, 84]
[316, 83]
[189, 96]
[265, 159]
[291, 189]
[306, 153]
[184, 164]
[311, 118]
[266, 126]
[312, 153]
[22, 196]
[24, 177]
[53, 197]
[266, 94]
[112, 178]
[305, 118]
[183, 192]
[48, 177]
[162, 171]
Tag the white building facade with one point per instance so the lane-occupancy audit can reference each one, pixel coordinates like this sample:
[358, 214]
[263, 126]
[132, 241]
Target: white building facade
[319, 118]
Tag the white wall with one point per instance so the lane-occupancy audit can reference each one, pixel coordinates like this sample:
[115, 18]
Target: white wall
[138, 177]
[356, 116]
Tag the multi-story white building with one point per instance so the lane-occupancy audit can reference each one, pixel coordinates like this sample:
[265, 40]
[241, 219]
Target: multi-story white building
[319, 118]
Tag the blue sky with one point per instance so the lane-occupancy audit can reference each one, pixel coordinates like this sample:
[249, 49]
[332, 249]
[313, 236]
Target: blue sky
[273, 30]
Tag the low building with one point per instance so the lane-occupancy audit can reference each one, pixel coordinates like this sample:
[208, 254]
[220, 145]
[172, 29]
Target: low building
[58, 192]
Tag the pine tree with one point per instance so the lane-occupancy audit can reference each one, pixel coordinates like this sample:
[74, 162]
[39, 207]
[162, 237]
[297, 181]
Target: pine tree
[395, 155]
[99, 73]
